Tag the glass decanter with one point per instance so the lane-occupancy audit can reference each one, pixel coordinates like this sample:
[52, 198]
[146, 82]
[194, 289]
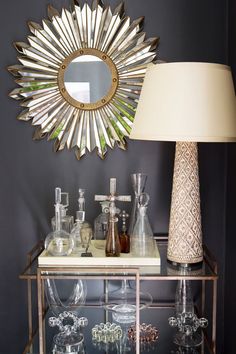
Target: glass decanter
[112, 242]
[101, 226]
[142, 241]
[138, 184]
[58, 242]
[82, 231]
[67, 221]
[122, 303]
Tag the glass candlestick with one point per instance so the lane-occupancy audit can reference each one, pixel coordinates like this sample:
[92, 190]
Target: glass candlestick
[187, 324]
[186, 321]
[138, 184]
[69, 340]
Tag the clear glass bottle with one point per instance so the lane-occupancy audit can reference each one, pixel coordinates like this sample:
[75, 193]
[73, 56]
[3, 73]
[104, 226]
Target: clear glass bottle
[58, 242]
[76, 233]
[101, 226]
[81, 203]
[138, 184]
[112, 241]
[124, 237]
[67, 221]
[142, 241]
[82, 231]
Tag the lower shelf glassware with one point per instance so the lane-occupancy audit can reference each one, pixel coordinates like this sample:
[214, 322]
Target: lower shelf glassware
[69, 340]
[122, 303]
[73, 303]
[187, 324]
[186, 321]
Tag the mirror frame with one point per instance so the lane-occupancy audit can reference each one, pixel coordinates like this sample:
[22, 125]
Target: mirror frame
[114, 74]
[95, 30]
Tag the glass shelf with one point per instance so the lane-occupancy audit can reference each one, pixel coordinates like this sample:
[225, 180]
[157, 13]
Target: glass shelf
[157, 317]
[208, 270]
[158, 314]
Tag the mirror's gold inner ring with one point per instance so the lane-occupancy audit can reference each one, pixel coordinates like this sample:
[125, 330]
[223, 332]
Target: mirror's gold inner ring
[114, 79]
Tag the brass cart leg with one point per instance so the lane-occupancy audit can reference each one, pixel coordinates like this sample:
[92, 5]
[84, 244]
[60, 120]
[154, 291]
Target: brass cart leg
[44, 314]
[30, 321]
[203, 298]
[40, 312]
[137, 313]
[214, 315]
[203, 303]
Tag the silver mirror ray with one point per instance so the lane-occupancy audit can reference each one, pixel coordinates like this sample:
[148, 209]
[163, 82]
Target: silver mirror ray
[78, 31]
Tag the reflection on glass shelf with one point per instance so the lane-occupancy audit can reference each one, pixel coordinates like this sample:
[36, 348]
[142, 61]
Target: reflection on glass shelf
[156, 317]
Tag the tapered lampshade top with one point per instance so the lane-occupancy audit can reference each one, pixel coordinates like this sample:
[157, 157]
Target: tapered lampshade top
[186, 102]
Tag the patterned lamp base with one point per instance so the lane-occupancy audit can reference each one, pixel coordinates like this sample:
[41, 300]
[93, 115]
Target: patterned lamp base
[185, 235]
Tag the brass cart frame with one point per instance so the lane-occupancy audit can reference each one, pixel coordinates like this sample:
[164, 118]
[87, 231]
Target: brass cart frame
[33, 272]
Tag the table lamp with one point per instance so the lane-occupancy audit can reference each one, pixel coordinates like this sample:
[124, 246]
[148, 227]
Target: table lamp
[186, 103]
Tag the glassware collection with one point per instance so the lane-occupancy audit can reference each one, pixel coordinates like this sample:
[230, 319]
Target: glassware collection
[69, 238]
[76, 240]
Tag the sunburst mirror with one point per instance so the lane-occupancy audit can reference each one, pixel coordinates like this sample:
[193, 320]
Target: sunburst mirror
[81, 74]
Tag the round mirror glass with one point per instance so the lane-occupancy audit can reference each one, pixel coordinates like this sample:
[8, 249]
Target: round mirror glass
[87, 79]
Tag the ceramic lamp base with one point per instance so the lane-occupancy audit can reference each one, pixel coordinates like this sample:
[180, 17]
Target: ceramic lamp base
[185, 235]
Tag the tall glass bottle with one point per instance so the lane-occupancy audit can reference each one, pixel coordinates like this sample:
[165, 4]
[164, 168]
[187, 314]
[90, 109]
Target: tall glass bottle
[142, 241]
[58, 242]
[82, 230]
[101, 226]
[112, 241]
[67, 221]
[81, 203]
[77, 234]
[138, 184]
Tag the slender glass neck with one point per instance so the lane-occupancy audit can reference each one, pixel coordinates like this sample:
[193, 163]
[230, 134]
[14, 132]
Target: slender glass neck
[57, 217]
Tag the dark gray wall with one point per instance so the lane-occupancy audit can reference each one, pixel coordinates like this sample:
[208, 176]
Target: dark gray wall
[190, 31]
[230, 274]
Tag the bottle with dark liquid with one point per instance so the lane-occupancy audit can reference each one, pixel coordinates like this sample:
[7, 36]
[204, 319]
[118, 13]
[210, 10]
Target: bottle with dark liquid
[112, 242]
[124, 237]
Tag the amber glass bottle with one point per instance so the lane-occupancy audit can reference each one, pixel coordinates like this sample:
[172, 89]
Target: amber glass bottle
[113, 242]
[124, 237]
